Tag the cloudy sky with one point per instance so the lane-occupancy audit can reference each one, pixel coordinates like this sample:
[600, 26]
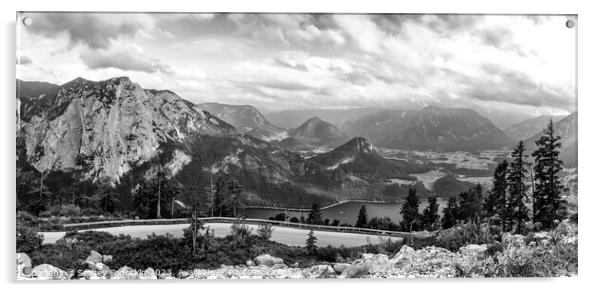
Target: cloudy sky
[499, 65]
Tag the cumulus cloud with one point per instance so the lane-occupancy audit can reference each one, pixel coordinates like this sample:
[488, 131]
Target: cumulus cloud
[95, 30]
[508, 64]
[127, 58]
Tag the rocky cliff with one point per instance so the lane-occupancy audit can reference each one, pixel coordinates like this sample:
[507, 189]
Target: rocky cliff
[105, 129]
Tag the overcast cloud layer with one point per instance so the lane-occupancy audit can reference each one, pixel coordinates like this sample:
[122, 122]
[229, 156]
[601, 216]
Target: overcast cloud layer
[499, 65]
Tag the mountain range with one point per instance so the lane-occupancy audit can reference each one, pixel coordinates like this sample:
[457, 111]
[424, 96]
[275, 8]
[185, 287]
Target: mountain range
[34, 88]
[116, 133]
[431, 128]
[293, 118]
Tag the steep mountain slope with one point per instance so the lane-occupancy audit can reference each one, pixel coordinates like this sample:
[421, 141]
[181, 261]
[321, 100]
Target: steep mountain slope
[358, 158]
[246, 119]
[293, 118]
[378, 125]
[105, 129]
[314, 133]
[34, 88]
[432, 128]
[448, 186]
[530, 127]
[567, 129]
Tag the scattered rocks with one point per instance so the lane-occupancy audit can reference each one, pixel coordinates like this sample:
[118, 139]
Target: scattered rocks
[340, 267]
[148, 274]
[279, 266]
[368, 264]
[250, 263]
[404, 252]
[23, 265]
[319, 271]
[125, 273]
[267, 260]
[49, 272]
[474, 249]
[94, 257]
[90, 275]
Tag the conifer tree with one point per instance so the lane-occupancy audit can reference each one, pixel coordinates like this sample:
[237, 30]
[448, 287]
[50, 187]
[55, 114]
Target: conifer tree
[471, 204]
[310, 243]
[409, 211]
[315, 215]
[450, 213]
[496, 201]
[518, 213]
[234, 191]
[548, 205]
[431, 214]
[362, 217]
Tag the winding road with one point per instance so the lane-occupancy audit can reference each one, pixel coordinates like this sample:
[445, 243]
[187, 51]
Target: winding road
[284, 235]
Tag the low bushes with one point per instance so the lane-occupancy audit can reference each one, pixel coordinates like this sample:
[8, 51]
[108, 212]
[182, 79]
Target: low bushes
[538, 254]
[28, 239]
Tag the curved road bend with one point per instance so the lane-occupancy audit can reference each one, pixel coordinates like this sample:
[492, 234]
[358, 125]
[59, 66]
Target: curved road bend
[284, 235]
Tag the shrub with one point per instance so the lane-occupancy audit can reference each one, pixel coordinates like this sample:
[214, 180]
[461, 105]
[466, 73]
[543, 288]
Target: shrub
[328, 254]
[494, 248]
[68, 210]
[240, 230]
[28, 239]
[462, 235]
[265, 231]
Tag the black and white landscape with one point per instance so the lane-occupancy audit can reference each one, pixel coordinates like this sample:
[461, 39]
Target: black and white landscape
[214, 146]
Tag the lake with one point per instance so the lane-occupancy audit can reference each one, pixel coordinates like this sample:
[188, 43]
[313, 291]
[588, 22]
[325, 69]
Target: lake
[345, 212]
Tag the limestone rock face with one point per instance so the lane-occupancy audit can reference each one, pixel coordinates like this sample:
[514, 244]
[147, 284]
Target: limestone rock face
[106, 128]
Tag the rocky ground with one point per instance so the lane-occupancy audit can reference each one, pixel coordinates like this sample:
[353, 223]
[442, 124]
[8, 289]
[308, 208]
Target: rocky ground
[514, 253]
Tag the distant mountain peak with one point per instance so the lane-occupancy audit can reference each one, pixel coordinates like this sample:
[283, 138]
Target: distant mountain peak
[359, 144]
[246, 119]
[317, 132]
[314, 119]
[358, 157]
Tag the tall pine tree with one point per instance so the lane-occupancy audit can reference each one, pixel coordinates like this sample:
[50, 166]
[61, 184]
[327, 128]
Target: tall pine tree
[471, 204]
[450, 213]
[518, 213]
[362, 217]
[409, 211]
[315, 215]
[548, 205]
[496, 201]
[431, 214]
